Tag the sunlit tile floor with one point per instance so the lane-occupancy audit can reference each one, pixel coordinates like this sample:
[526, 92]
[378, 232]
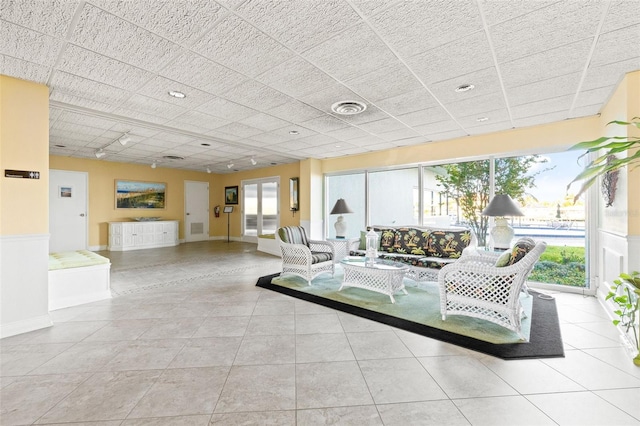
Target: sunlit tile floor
[189, 340]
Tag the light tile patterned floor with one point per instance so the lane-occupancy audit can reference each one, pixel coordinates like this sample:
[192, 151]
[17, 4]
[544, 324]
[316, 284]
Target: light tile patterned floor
[190, 340]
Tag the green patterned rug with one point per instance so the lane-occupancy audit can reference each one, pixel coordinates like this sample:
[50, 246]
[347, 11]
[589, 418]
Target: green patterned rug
[419, 312]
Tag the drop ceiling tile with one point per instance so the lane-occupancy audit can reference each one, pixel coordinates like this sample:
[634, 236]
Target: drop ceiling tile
[296, 77]
[111, 36]
[610, 74]
[615, 46]
[80, 129]
[372, 7]
[380, 146]
[484, 128]
[407, 102]
[544, 29]
[153, 106]
[382, 126]
[324, 124]
[562, 60]
[265, 122]
[594, 96]
[290, 21]
[138, 114]
[228, 110]
[317, 140]
[478, 105]
[51, 17]
[495, 11]
[256, 95]
[451, 134]
[366, 141]
[397, 135]
[412, 27]
[358, 50]
[88, 89]
[384, 83]
[240, 130]
[65, 98]
[621, 14]
[181, 21]
[159, 87]
[265, 139]
[86, 119]
[439, 127]
[425, 116]
[204, 74]
[197, 122]
[21, 43]
[295, 111]
[222, 136]
[485, 81]
[560, 104]
[534, 120]
[348, 133]
[93, 66]
[353, 151]
[240, 46]
[545, 89]
[418, 140]
[586, 111]
[496, 116]
[460, 57]
[323, 99]
[24, 70]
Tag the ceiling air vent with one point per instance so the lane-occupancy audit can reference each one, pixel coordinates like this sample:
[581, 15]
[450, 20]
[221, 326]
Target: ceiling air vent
[348, 107]
[173, 157]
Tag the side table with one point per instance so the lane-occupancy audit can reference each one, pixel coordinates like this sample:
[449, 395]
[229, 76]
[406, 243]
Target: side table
[341, 247]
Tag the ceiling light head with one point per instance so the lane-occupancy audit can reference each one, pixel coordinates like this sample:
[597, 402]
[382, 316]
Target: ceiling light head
[465, 88]
[253, 161]
[208, 170]
[100, 153]
[230, 165]
[154, 165]
[177, 94]
[348, 107]
[482, 119]
[124, 139]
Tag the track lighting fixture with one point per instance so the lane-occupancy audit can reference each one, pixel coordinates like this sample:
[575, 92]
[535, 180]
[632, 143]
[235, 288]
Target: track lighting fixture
[100, 153]
[154, 165]
[208, 170]
[253, 161]
[230, 165]
[124, 139]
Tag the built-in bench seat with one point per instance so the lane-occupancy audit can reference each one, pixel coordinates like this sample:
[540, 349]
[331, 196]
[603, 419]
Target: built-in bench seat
[77, 277]
[425, 249]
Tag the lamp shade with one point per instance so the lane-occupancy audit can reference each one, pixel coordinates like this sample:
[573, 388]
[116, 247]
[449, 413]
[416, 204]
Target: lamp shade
[341, 207]
[502, 205]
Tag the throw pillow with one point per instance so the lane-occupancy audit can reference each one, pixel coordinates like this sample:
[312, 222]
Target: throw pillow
[520, 249]
[503, 260]
[363, 239]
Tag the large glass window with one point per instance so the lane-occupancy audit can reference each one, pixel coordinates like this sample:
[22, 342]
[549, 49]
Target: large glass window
[394, 197]
[351, 188]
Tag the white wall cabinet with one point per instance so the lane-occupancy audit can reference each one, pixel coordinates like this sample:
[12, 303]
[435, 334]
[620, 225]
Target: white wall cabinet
[142, 235]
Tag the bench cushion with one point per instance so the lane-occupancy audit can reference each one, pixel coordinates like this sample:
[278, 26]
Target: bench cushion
[447, 244]
[75, 259]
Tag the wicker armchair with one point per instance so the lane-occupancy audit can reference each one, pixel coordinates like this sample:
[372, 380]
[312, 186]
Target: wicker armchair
[475, 287]
[303, 257]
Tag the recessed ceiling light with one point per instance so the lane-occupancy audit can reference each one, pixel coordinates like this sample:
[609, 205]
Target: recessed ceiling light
[173, 157]
[294, 132]
[177, 94]
[348, 107]
[465, 88]
[481, 119]
[205, 144]
[273, 164]
[337, 146]
[60, 146]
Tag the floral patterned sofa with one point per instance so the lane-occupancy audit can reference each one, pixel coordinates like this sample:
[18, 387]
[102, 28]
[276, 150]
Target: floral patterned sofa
[425, 250]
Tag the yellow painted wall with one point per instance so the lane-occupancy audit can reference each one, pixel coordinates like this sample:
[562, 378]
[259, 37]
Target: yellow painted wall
[284, 171]
[102, 176]
[24, 145]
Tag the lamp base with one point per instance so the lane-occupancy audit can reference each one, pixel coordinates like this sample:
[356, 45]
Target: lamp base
[341, 227]
[502, 234]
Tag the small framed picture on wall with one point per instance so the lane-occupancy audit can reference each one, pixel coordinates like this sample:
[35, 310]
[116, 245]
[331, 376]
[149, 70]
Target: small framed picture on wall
[231, 195]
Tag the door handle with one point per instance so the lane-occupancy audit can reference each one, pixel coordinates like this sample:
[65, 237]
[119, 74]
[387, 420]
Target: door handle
[81, 214]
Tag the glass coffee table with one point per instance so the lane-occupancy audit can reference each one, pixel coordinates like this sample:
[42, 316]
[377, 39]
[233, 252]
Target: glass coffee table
[383, 276]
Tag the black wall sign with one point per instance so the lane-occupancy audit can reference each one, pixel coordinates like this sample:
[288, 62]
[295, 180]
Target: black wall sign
[21, 174]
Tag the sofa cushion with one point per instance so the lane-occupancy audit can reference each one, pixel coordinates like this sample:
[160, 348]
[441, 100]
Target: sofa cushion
[410, 241]
[320, 256]
[409, 259]
[447, 244]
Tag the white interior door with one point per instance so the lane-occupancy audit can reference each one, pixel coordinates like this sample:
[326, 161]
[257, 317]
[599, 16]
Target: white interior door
[67, 210]
[196, 210]
[260, 207]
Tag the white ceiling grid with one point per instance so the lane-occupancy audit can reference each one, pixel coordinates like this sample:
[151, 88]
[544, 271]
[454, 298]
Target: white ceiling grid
[256, 70]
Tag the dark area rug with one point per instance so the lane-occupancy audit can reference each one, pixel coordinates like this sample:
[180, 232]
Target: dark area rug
[545, 340]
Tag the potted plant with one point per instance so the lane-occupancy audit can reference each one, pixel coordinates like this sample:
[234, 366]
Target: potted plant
[625, 295]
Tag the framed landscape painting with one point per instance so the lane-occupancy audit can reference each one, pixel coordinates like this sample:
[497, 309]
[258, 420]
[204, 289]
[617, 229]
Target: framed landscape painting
[140, 195]
[231, 195]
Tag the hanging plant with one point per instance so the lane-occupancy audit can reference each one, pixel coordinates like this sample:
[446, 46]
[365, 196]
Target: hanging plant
[612, 145]
[610, 183]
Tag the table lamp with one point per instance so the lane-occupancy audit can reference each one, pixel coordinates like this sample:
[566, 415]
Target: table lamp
[341, 226]
[500, 206]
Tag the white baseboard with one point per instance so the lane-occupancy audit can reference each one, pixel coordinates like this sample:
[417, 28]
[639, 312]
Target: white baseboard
[97, 248]
[25, 326]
